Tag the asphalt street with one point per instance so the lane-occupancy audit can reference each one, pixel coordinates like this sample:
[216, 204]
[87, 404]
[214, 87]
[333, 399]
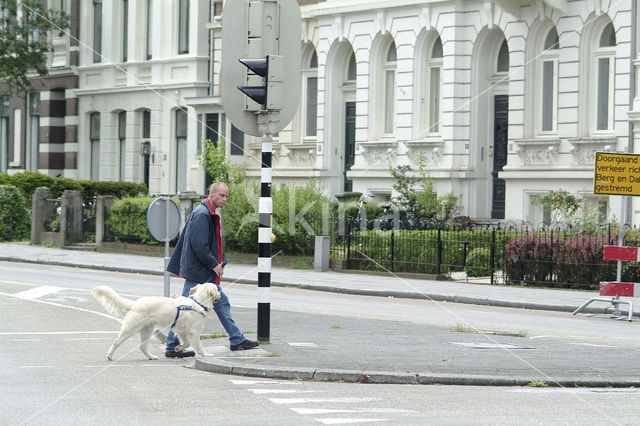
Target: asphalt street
[352, 349]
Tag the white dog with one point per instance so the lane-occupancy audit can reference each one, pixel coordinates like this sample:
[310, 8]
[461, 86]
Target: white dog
[186, 315]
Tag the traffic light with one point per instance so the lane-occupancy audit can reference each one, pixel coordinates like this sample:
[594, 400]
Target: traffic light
[264, 84]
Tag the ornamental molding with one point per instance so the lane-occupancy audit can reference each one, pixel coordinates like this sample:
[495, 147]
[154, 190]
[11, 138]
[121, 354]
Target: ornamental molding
[378, 152]
[430, 150]
[301, 154]
[255, 150]
[584, 149]
[538, 152]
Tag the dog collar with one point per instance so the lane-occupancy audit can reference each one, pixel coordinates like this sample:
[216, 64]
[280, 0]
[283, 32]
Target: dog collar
[201, 305]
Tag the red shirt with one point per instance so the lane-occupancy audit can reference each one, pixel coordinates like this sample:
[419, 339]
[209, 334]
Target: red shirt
[217, 231]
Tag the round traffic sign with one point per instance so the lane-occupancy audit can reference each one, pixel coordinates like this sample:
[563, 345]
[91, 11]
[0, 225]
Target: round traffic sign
[163, 219]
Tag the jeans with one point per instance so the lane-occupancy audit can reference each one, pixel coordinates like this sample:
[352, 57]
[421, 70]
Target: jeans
[223, 310]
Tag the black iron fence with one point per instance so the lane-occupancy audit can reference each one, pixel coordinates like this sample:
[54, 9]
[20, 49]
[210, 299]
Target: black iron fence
[502, 253]
[505, 253]
[89, 220]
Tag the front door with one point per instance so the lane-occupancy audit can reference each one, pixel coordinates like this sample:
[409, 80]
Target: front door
[349, 142]
[500, 127]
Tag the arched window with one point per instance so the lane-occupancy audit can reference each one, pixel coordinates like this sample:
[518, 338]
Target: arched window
[390, 89]
[122, 141]
[352, 69]
[603, 84]
[502, 64]
[548, 84]
[434, 83]
[310, 90]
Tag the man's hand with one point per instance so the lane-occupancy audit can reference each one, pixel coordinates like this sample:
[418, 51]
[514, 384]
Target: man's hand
[219, 270]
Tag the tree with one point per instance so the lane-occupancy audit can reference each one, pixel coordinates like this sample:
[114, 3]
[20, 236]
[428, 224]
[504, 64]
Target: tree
[416, 194]
[24, 44]
[215, 162]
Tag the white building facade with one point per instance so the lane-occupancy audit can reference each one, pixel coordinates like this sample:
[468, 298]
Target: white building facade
[502, 100]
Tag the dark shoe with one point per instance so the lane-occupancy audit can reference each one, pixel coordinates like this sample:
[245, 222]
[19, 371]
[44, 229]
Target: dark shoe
[245, 344]
[179, 354]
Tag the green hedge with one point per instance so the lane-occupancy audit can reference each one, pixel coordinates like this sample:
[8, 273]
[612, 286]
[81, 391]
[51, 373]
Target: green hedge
[27, 183]
[417, 250]
[294, 209]
[127, 220]
[479, 262]
[15, 223]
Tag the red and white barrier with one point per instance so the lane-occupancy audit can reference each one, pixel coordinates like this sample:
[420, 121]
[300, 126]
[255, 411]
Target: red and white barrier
[613, 288]
[628, 254]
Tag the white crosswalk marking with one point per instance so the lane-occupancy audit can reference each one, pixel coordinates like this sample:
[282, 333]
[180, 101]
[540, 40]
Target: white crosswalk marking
[339, 399]
[34, 293]
[302, 344]
[353, 410]
[343, 421]
[262, 382]
[270, 387]
[266, 391]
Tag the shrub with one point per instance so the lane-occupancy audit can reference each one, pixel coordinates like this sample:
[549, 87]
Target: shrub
[127, 219]
[423, 203]
[15, 223]
[575, 262]
[479, 262]
[240, 218]
[27, 182]
[580, 261]
[293, 209]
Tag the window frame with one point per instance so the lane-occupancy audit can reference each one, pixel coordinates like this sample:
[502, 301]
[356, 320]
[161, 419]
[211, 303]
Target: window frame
[183, 26]
[310, 112]
[149, 30]
[94, 145]
[125, 30]
[34, 130]
[599, 53]
[122, 139]
[236, 138]
[433, 63]
[549, 56]
[181, 125]
[4, 132]
[389, 90]
[97, 31]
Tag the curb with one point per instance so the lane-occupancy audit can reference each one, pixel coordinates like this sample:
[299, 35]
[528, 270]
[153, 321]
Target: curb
[356, 292]
[221, 366]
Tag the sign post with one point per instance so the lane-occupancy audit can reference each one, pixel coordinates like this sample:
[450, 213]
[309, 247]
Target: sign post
[163, 221]
[617, 174]
[260, 89]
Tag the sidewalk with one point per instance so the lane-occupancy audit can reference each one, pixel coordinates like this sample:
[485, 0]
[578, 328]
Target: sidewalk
[338, 282]
[306, 347]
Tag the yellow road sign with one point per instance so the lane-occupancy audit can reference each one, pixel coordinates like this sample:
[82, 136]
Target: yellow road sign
[616, 174]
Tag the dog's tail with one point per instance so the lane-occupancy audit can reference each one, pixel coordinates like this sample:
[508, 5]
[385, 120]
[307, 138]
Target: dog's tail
[115, 304]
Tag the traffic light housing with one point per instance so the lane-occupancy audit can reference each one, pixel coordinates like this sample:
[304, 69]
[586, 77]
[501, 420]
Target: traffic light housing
[264, 83]
[257, 29]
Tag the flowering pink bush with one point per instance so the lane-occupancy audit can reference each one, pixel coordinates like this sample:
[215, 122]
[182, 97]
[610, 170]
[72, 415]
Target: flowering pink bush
[575, 261]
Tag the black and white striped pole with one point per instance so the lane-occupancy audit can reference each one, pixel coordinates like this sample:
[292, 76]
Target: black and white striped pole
[265, 211]
[265, 36]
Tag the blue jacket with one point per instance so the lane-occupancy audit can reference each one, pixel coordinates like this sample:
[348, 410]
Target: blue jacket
[197, 251]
